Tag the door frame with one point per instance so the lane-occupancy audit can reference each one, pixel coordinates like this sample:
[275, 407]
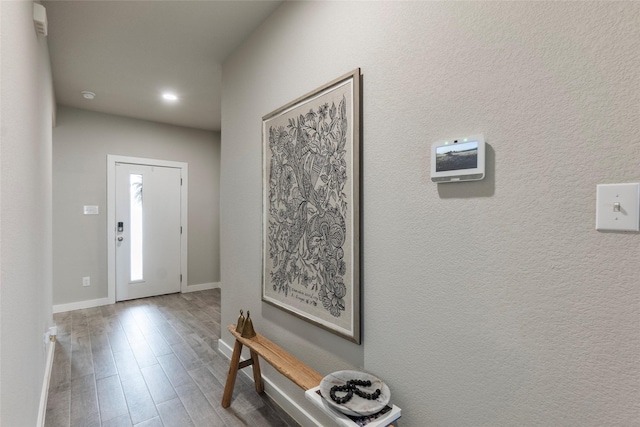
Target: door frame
[111, 216]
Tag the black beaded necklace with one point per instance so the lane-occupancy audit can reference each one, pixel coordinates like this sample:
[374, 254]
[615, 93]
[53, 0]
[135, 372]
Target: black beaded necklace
[350, 388]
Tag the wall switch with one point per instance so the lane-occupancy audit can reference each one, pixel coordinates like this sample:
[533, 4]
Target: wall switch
[90, 210]
[86, 281]
[618, 207]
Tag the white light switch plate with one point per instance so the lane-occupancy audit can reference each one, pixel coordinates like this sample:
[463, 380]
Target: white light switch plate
[613, 217]
[90, 210]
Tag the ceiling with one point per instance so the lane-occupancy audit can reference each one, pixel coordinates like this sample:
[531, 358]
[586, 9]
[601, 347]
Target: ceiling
[129, 52]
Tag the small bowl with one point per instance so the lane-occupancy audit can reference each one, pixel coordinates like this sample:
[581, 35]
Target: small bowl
[356, 406]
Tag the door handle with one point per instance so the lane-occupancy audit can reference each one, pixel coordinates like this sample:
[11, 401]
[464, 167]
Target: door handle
[120, 238]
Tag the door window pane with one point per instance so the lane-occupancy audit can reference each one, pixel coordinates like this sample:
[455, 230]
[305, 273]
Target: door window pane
[135, 193]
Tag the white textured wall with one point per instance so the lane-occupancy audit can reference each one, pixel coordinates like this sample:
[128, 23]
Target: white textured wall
[81, 142]
[25, 213]
[493, 303]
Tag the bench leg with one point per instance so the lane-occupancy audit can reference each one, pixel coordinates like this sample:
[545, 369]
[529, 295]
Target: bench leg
[233, 373]
[257, 377]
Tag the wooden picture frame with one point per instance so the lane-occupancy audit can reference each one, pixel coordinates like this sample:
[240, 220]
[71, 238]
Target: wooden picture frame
[311, 194]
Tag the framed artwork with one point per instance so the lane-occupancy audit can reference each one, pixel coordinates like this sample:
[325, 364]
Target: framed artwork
[311, 183]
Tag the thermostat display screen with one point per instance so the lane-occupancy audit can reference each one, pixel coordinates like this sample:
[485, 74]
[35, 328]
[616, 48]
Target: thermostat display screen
[457, 156]
[458, 159]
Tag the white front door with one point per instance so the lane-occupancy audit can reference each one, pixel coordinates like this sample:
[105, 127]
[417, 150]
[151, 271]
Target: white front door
[148, 228]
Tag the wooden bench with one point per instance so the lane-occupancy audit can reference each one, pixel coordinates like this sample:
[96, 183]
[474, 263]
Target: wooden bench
[302, 375]
[305, 377]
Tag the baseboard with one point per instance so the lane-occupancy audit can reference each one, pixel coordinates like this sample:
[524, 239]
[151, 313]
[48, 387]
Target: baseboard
[201, 287]
[44, 395]
[276, 394]
[61, 308]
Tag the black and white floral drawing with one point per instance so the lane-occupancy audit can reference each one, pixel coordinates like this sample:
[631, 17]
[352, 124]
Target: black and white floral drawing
[309, 197]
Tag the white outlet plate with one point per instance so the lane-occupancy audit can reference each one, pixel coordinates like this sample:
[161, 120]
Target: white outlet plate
[86, 281]
[618, 207]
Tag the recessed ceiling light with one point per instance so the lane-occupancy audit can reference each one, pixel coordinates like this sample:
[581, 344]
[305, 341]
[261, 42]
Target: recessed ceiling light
[88, 95]
[169, 96]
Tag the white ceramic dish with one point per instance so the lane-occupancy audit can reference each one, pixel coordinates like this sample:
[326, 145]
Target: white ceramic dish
[356, 406]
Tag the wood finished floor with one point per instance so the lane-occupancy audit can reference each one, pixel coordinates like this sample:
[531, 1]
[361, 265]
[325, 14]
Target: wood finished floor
[146, 363]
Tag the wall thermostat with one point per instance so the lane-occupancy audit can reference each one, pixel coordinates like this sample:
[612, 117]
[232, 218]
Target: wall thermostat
[458, 159]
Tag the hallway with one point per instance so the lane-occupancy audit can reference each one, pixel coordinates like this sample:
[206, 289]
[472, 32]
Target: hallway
[146, 363]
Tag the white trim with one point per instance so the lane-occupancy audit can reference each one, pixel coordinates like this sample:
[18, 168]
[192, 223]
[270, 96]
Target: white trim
[225, 349]
[111, 216]
[44, 395]
[201, 287]
[292, 408]
[78, 305]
